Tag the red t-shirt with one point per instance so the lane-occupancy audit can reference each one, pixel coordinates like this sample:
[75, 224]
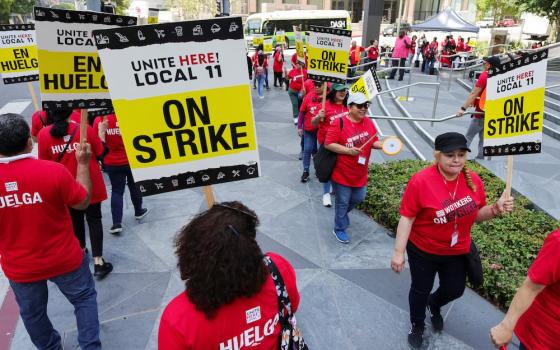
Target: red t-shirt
[332, 112]
[428, 198]
[38, 121]
[539, 327]
[113, 140]
[252, 321]
[50, 148]
[309, 86]
[352, 170]
[481, 83]
[278, 64]
[373, 53]
[37, 240]
[76, 116]
[296, 78]
[355, 54]
[310, 106]
[413, 47]
[294, 60]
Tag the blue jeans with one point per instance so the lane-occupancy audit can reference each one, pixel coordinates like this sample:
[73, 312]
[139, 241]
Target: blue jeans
[309, 147]
[260, 82]
[345, 199]
[78, 287]
[121, 176]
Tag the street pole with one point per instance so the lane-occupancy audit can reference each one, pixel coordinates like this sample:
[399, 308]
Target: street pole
[401, 4]
[373, 13]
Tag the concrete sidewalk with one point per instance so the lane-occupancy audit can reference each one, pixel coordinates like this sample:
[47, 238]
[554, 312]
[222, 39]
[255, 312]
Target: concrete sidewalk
[350, 299]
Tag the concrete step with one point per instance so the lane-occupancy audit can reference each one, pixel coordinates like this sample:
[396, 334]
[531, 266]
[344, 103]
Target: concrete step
[552, 130]
[552, 117]
[552, 104]
[553, 95]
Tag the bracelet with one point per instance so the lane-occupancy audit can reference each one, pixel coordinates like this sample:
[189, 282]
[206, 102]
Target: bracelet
[463, 109]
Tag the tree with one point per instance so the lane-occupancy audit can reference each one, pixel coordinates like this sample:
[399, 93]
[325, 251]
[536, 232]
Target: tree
[121, 6]
[65, 6]
[5, 10]
[193, 9]
[499, 8]
[23, 7]
[546, 8]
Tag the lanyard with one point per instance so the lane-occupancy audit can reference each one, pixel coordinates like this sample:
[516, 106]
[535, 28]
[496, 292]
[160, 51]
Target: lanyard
[452, 198]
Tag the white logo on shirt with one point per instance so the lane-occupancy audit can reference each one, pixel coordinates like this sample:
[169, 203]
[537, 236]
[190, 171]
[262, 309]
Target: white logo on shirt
[11, 186]
[253, 314]
[66, 138]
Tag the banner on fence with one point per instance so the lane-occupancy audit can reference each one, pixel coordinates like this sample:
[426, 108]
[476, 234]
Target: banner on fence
[18, 53]
[327, 53]
[183, 101]
[70, 72]
[368, 84]
[514, 109]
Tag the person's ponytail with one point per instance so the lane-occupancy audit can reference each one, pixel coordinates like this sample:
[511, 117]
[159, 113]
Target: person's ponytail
[468, 178]
[59, 119]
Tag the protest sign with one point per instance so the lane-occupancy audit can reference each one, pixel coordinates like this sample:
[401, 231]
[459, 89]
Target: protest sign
[368, 84]
[153, 15]
[280, 37]
[267, 46]
[183, 101]
[514, 108]
[327, 53]
[258, 39]
[18, 53]
[70, 71]
[299, 45]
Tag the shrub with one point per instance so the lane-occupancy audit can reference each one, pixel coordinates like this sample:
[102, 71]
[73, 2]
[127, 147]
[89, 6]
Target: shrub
[508, 244]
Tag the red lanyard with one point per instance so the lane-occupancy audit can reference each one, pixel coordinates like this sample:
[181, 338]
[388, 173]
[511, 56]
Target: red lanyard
[452, 197]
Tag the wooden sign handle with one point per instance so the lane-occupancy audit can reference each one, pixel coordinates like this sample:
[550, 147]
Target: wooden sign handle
[83, 126]
[209, 195]
[509, 176]
[324, 96]
[33, 96]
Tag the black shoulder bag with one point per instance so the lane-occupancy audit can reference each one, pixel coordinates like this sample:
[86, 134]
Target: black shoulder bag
[290, 335]
[475, 273]
[67, 145]
[325, 160]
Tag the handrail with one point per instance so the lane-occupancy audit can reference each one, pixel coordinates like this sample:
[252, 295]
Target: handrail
[479, 49]
[437, 120]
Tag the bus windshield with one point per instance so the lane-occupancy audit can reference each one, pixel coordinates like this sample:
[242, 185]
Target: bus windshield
[253, 26]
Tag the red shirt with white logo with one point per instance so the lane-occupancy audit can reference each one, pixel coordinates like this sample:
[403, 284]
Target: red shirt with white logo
[332, 112]
[352, 170]
[310, 106]
[373, 53]
[539, 327]
[37, 240]
[297, 77]
[113, 140]
[244, 323]
[438, 206]
[50, 148]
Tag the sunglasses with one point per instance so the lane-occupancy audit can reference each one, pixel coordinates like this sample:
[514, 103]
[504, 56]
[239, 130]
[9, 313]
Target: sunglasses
[364, 105]
[343, 91]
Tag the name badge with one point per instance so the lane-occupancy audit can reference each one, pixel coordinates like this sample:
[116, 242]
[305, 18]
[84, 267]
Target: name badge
[454, 238]
[362, 160]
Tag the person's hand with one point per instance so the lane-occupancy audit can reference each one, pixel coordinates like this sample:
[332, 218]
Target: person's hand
[460, 113]
[321, 115]
[354, 151]
[397, 262]
[83, 153]
[300, 132]
[500, 335]
[103, 126]
[504, 204]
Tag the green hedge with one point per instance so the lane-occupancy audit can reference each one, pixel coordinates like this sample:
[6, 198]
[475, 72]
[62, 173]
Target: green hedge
[508, 244]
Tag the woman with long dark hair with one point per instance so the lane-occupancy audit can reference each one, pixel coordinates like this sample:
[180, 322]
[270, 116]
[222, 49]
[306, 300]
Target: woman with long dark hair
[57, 142]
[230, 298]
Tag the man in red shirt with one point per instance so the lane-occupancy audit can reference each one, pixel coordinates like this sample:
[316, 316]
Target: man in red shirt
[354, 57]
[534, 313]
[477, 120]
[37, 242]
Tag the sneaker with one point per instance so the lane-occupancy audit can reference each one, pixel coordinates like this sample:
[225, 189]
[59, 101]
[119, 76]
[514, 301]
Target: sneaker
[142, 214]
[295, 121]
[327, 200]
[305, 176]
[341, 236]
[416, 336]
[100, 271]
[116, 229]
[435, 317]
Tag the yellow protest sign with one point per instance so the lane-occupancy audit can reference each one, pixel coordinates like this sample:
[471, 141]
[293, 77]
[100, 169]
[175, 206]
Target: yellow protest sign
[327, 53]
[153, 15]
[267, 46]
[18, 53]
[299, 46]
[280, 37]
[183, 103]
[70, 73]
[514, 109]
[368, 84]
[258, 39]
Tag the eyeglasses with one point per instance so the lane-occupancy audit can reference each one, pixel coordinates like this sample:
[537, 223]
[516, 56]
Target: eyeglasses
[362, 105]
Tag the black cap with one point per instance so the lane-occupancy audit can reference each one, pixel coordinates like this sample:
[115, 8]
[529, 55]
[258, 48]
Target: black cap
[451, 141]
[493, 60]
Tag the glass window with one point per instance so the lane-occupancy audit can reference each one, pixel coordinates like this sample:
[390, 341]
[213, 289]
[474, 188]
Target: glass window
[318, 3]
[253, 26]
[290, 2]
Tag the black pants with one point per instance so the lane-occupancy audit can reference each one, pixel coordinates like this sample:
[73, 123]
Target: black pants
[278, 80]
[401, 63]
[452, 274]
[93, 216]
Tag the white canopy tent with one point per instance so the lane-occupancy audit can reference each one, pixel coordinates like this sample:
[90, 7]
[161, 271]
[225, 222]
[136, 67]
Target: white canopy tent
[446, 21]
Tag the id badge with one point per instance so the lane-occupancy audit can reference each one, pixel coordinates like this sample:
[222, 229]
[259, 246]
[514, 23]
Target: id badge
[362, 160]
[454, 238]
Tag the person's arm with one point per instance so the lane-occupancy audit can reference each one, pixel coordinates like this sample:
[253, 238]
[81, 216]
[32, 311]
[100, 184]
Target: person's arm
[318, 118]
[403, 232]
[377, 145]
[301, 116]
[470, 100]
[83, 155]
[502, 205]
[502, 333]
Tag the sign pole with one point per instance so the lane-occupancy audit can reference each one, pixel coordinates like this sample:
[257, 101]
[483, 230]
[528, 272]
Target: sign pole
[209, 195]
[324, 96]
[33, 96]
[83, 126]
[509, 175]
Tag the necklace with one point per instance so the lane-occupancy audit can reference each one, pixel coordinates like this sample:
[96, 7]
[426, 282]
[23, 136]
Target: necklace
[455, 233]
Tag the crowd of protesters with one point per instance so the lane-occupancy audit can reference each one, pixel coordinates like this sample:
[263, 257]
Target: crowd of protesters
[439, 207]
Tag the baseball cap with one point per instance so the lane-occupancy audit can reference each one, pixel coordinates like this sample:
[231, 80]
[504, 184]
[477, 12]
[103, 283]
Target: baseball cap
[493, 60]
[356, 98]
[339, 87]
[451, 141]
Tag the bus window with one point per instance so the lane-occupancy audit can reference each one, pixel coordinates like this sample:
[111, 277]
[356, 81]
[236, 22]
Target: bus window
[268, 28]
[253, 26]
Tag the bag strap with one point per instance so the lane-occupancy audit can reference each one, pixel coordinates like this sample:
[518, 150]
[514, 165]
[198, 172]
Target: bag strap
[41, 119]
[67, 145]
[341, 122]
[281, 291]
